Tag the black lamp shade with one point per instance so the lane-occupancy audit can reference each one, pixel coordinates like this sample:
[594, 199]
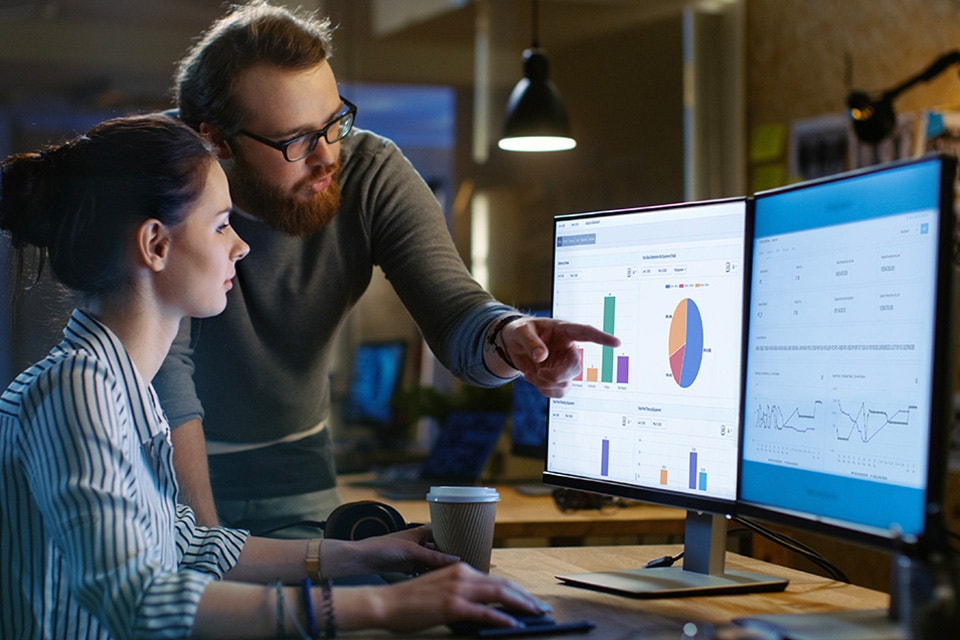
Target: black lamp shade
[873, 118]
[536, 116]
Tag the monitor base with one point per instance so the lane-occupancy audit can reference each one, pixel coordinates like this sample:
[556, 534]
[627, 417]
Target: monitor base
[703, 571]
[673, 582]
[864, 624]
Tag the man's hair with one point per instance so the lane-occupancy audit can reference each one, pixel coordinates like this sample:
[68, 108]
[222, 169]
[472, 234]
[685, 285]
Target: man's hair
[248, 35]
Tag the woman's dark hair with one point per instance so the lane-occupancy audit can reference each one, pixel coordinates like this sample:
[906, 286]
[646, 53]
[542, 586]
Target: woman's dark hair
[251, 34]
[80, 201]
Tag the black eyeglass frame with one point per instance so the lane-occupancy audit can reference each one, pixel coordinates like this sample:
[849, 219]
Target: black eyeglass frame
[350, 110]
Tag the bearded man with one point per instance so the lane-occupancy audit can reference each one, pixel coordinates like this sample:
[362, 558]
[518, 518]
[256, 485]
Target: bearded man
[320, 203]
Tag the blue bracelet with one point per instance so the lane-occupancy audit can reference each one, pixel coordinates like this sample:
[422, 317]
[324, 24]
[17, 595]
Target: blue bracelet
[312, 629]
[280, 630]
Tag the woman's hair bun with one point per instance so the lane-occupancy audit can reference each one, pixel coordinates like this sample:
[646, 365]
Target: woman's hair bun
[79, 202]
[25, 208]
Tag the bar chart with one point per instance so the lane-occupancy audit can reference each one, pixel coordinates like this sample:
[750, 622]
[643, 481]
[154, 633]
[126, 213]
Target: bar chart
[612, 368]
[667, 460]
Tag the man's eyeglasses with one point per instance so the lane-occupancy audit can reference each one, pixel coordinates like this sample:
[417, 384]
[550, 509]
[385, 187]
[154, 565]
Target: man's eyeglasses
[303, 145]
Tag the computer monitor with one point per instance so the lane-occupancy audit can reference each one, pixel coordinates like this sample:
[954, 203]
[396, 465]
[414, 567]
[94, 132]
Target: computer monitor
[658, 418]
[375, 379]
[849, 360]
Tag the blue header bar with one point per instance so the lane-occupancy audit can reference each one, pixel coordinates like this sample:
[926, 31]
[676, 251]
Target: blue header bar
[895, 190]
[577, 240]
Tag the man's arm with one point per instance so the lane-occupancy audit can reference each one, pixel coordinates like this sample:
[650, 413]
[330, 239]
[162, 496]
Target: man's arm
[193, 474]
[178, 396]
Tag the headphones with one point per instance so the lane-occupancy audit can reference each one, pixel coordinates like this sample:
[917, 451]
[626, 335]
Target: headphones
[362, 519]
[353, 521]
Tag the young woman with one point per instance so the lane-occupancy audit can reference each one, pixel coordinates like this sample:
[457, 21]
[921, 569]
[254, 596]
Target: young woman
[135, 216]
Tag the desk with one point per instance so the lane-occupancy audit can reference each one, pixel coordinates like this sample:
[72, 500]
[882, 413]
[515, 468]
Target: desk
[523, 516]
[622, 618]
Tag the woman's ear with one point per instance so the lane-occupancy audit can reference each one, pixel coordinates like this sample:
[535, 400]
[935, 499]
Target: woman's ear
[153, 244]
[217, 139]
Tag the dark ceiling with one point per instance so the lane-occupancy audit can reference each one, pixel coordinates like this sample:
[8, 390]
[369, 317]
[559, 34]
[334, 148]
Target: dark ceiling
[123, 51]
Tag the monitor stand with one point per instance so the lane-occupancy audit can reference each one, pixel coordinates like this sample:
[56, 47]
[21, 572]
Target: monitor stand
[702, 573]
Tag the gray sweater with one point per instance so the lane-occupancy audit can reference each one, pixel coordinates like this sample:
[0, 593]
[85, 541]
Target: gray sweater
[260, 370]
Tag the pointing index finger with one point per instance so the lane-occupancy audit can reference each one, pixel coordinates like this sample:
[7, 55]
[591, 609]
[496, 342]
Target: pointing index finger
[586, 333]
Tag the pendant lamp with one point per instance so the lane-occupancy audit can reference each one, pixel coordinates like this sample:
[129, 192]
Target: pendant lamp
[536, 116]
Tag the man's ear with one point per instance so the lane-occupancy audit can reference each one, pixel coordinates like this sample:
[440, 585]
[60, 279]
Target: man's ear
[217, 139]
[153, 244]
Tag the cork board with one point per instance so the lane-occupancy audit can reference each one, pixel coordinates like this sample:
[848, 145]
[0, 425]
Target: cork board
[804, 56]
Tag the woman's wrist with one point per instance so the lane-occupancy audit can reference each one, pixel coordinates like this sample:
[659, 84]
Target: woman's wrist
[355, 608]
[341, 558]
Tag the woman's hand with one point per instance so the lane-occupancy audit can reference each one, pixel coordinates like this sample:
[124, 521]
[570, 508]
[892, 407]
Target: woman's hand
[456, 593]
[407, 551]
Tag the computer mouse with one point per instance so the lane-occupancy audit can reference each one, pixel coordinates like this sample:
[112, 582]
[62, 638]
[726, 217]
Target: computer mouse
[475, 627]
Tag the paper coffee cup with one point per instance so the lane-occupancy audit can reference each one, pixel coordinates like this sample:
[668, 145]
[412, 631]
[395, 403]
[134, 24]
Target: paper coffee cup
[463, 520]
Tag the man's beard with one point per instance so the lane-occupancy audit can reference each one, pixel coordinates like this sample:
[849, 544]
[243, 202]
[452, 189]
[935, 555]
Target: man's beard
[279, 208]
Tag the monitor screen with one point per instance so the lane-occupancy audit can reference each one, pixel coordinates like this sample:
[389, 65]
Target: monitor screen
[657, 418]
[847, 387]
[376, 377]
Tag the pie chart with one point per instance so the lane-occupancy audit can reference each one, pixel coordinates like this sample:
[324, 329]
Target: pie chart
[686, 343]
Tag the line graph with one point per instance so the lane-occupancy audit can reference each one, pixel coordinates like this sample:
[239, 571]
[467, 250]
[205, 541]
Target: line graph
[864, 422]
[771, 417]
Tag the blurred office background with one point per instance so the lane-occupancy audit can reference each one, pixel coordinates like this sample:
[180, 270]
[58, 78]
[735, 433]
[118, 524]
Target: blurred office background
[669, 100]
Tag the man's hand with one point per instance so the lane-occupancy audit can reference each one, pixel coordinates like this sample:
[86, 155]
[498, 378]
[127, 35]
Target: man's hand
[544, 350]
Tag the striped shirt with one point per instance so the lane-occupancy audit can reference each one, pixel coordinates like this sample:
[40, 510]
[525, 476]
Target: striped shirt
[92, 541]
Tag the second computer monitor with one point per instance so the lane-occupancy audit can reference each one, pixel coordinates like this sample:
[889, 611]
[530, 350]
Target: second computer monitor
[849, 353]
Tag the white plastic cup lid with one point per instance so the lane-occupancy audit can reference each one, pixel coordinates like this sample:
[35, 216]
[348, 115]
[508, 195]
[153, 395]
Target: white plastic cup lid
[463, 494]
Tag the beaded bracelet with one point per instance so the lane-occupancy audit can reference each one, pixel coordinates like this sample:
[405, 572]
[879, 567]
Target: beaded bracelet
[492, 340]
[312, 630]
[329, 620]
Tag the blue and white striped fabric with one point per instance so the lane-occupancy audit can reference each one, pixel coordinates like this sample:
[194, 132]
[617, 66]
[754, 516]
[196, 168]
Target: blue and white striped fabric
[92, 541]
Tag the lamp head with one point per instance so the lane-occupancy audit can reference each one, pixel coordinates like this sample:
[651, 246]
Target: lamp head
[536, 116]
[873, 118]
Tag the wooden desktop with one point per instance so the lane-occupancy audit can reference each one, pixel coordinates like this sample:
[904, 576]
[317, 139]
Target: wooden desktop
[536, 518]
[622, 618]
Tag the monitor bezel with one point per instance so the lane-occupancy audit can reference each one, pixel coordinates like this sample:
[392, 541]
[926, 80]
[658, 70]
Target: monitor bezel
[664, 497]
[941, 388]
